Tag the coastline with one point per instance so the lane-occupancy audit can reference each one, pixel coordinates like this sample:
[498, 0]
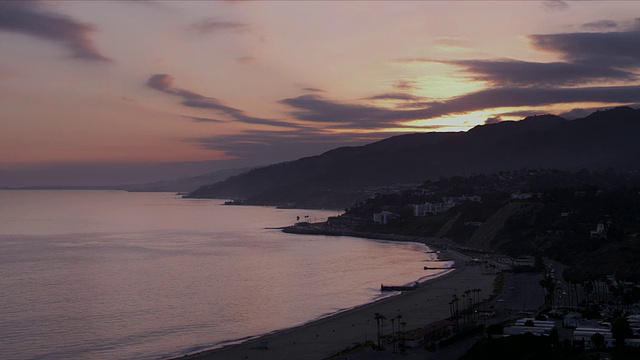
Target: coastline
[328, 335]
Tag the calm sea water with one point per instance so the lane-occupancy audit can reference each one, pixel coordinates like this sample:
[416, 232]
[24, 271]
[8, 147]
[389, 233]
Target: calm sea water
[116, 275]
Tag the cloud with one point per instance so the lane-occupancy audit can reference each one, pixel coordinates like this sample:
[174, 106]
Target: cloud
[164, 83]
[405, 85]
[617, 49]
[519, 114]
[396, 96]
[601, 25]
[211, 25]
[202, 119]
[318, 109]
[353, 116]
[556, 5]
[508, 72]
[270, 146]
[312, 89]
[31, 18]
[493, 120]
[531, 97]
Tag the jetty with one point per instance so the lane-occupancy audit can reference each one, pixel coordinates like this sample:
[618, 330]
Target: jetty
[413, 286]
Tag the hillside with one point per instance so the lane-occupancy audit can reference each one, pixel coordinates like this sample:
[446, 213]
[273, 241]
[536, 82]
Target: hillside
[339, 177]
[586, 220]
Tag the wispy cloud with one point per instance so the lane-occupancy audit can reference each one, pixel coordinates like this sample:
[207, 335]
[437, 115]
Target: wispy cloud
[32, 18]
[396, 96]
[317, 109]
[600, 25]
[283, 145]
[164, 83]
[617, 49]
[203, 120]
[355, 116]
[509, 72]
[312, 89]
[405, 85]
[556, 5]
[493, 120]
[532, 97]
[212, 25]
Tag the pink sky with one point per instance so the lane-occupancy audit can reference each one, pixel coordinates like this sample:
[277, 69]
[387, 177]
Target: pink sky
[236, 83]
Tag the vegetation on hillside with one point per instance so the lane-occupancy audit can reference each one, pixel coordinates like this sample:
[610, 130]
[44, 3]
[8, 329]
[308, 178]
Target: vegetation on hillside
[587, 220]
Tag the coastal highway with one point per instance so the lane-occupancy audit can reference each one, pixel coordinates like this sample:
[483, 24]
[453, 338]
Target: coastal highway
[521, 294]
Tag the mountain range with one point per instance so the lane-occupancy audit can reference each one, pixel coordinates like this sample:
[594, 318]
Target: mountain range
[339, 177]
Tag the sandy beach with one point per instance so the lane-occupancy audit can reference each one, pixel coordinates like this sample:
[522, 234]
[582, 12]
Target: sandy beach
[327, 336]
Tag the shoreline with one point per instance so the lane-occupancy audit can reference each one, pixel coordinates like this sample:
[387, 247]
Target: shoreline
[327, 335]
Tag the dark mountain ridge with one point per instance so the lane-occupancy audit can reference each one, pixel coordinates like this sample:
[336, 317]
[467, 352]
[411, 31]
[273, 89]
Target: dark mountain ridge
[336, 178]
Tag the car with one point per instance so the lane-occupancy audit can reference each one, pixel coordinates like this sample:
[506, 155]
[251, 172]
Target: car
[501, 300]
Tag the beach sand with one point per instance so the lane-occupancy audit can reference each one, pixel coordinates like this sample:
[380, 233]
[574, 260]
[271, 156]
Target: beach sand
[327, 336]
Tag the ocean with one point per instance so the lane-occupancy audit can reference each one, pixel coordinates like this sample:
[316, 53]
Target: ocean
[117, 275]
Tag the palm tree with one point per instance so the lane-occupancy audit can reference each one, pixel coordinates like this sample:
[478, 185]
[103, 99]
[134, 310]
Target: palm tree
[402, 344]
[455, 300]
[378, 318]
[464, 313]
[451, 308]
[393, 340]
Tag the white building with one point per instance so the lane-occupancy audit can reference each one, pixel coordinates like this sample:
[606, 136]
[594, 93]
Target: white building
[431, 208]
[582, 335]
[460, 199]
[384, 217]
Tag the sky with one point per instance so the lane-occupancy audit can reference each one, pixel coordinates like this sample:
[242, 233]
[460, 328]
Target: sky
[113, 92]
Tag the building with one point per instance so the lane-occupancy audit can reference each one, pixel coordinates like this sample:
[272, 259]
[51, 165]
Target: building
[582, 337]
[447, 203]
[431, 208]
[521, 196]
[429, 335]
[384, 217]
[461, 199]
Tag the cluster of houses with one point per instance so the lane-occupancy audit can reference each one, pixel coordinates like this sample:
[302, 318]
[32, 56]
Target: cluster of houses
[583, 330]
[428, 208]
[447, 203]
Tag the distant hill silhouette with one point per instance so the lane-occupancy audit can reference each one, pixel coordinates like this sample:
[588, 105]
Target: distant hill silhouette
[184, 184]
[336, 178]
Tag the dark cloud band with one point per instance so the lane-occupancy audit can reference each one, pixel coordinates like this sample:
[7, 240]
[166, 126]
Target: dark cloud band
[30, 18]
[164, 83]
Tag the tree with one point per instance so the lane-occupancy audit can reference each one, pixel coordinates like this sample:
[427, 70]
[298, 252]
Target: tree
[549, 286]
[598, 340]
[393, 340]
[402, 346]
[455, 301]
[379, 317]
[620, 330]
